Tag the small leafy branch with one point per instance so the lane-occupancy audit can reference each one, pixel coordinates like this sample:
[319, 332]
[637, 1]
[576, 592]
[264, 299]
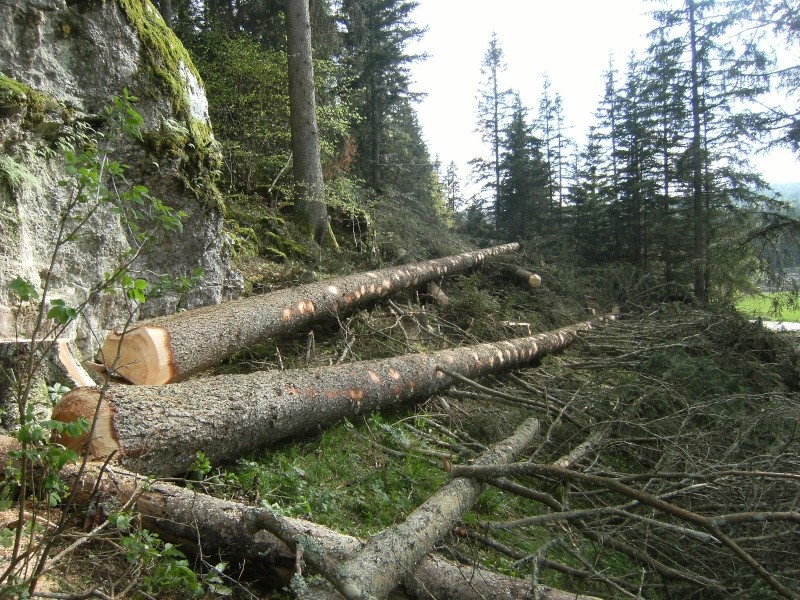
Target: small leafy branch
[93, 182]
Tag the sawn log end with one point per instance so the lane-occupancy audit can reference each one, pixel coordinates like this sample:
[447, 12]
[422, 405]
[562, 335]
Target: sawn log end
[82, 403]
[143, 356]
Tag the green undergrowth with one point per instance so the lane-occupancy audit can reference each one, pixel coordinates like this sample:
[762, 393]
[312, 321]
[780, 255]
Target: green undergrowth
[347, 478]
[673, 388]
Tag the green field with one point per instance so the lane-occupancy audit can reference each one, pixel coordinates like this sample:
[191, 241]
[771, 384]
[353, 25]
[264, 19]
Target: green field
[778, 306]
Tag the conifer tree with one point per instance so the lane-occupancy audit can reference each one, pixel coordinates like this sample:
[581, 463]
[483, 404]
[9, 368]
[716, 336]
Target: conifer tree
[452, 187]
[636, 158]
[523, 210]
[492, 114]
[375, 39]
[667, 91]
[723, 74]
[550, 124]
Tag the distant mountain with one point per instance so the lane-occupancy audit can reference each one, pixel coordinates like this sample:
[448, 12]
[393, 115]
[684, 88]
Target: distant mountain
[789, 192]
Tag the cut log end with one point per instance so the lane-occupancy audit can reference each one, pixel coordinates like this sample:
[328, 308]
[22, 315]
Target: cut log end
[524, 276]
[82, 402]
[74, 369]
[142, 356]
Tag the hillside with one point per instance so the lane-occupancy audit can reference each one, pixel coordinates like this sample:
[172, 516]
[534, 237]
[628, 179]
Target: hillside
[367, 406]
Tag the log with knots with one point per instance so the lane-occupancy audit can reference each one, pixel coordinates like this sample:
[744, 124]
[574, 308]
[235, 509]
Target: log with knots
[158, 430]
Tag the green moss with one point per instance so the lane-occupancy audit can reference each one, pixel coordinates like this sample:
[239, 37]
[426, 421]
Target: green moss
[163, 51]
[165, 56]
[16, 97]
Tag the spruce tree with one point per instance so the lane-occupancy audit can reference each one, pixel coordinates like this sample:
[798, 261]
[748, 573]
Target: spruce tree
[523, 210]
[551, 127]
[590, 202]
[492, 114]
[377, 60]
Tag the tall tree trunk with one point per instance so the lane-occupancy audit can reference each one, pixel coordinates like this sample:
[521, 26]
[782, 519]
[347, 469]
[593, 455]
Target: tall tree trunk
[171, 348]
[310, 191]
[158, 430]
[165, 7]
[699, 213]
[221, 529]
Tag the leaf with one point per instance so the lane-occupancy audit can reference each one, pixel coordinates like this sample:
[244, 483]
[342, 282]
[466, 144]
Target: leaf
[23, 289]
[62, 313]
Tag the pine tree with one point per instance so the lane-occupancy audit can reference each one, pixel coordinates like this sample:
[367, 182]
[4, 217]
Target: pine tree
[492, 114]
[523, 210]
[376, 35]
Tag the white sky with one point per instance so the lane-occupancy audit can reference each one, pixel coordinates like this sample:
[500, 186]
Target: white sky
[570, 40]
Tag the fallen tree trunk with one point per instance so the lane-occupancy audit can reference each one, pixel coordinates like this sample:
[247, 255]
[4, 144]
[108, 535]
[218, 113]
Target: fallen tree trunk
[159, 430]
[377, 568]
[220, 528]
[524, 276]
[171, 348]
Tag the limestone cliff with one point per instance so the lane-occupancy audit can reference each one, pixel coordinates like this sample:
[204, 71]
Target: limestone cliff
[61, 64]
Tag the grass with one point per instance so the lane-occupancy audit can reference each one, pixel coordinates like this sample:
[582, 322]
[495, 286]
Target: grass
[782, 306]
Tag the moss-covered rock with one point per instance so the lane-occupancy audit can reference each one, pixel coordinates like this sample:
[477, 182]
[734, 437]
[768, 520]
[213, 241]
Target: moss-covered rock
[39, 110]
[168, 66]
[62, 64]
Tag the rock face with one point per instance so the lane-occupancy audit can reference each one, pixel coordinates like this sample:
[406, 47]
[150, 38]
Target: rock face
[62, 62]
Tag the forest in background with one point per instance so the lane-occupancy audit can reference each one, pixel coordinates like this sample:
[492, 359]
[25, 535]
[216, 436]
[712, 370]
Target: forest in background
[663, 183]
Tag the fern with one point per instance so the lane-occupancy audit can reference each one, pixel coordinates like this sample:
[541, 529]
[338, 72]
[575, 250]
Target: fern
[16, 174]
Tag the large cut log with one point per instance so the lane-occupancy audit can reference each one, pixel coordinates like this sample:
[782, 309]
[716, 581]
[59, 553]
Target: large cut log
[159, 430]
[171, 348]
[220, 528]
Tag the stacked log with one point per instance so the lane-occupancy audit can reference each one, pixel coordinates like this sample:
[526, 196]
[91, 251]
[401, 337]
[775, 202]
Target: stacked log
[171, 348]
[158, 430]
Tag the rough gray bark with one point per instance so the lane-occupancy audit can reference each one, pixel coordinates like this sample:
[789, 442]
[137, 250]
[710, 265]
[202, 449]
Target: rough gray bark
[158, 430]
[383, 562]
[220, 528]
[307, 168]
[171, 348]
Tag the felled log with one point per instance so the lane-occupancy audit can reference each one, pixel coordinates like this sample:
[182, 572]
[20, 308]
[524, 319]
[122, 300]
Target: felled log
[377, 568]
[159, 430]
[168, 349]
[438, 295]
[220, 528]
[524, 276]
[54, 360]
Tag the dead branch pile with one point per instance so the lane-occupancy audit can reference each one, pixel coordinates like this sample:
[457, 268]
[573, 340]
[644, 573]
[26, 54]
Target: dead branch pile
[670, 459]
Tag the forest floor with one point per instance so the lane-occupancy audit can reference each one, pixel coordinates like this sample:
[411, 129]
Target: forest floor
[692, 407]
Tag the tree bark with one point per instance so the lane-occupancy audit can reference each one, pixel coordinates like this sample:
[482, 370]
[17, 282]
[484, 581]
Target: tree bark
[438, 295]
[377, 568]
[699, 214]
[307, 168]
[158, 430]
[220, 528]
[171, 348]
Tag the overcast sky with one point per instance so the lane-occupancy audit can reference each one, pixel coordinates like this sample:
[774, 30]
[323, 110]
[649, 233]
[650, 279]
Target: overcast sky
[570, 40]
